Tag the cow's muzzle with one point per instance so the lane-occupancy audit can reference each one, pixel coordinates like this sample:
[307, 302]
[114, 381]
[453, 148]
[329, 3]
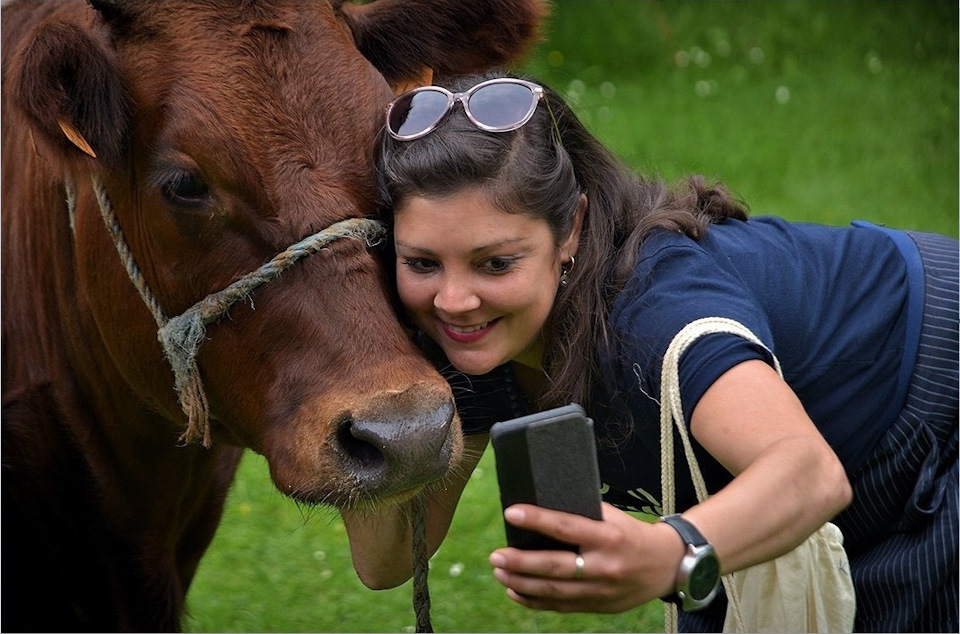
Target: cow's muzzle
[386, 454]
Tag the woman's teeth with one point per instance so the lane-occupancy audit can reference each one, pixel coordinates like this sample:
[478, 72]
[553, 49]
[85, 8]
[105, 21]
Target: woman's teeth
[469, 329]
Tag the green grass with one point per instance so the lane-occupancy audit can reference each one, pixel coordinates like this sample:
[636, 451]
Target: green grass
[819, 111]
[274, 567]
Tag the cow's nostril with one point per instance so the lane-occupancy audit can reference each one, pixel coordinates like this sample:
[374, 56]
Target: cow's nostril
[385, 453]
[359, 448]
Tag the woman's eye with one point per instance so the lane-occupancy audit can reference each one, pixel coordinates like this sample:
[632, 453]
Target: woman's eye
[419, 265]
[498, 265]
[186, 189]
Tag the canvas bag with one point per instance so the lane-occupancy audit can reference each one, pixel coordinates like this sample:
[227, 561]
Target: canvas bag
[808, 589]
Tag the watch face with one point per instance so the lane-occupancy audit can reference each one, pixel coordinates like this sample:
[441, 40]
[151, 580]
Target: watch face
[704, 577]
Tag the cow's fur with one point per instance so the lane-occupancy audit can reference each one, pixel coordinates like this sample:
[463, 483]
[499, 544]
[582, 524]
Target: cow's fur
[223, 132]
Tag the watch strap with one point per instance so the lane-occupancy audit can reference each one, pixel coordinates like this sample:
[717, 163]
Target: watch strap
[691, 537]
[688, 532]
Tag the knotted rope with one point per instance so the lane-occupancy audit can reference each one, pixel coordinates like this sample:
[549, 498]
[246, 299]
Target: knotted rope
[181, 336]
[421, 565]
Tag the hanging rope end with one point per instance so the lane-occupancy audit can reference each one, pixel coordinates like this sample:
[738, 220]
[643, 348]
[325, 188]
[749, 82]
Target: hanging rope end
[195, 405]
[421, 564]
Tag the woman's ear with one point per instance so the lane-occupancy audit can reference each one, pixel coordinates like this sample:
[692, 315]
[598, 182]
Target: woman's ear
[572, 243]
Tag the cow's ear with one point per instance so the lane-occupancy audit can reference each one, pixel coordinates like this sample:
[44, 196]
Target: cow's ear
[66, 80]
[402, 37]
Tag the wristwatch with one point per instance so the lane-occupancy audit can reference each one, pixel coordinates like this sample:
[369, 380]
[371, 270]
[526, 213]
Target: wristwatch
[699, 574]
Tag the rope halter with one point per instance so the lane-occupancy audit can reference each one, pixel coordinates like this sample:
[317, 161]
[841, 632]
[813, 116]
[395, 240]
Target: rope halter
[182, 335]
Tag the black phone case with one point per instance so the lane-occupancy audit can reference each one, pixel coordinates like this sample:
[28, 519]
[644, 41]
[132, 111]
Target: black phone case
[548, 459]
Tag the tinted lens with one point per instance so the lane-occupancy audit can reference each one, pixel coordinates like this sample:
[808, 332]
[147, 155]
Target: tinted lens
[417, 112]
[502, 105]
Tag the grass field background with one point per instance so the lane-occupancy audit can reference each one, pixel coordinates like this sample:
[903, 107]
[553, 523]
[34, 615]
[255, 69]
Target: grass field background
[819, 111]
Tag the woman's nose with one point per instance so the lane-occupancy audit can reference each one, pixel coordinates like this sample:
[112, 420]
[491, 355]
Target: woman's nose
[455, 296]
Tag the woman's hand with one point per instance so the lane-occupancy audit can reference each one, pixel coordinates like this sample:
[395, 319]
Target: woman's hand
[627, 562]
[788, 483]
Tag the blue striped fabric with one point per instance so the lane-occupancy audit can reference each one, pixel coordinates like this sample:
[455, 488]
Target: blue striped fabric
[901, 532]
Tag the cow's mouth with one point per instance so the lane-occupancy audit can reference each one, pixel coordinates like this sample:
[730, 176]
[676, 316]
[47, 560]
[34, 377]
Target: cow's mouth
[368, 504]
[354, 499]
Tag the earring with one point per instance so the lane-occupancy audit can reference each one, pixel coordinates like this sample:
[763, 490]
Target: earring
[565, 271]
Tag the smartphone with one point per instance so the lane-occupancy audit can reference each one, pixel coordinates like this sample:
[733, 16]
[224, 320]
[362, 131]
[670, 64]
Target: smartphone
[548, 459]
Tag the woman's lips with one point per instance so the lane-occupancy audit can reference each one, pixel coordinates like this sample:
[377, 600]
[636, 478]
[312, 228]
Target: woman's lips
[467, 334]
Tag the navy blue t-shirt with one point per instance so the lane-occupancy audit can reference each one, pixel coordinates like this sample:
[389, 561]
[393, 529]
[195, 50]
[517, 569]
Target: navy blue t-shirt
[829, 302]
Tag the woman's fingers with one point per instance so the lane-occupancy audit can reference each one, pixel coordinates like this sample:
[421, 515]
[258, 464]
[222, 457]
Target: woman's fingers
[567, 527]
[611, 572]
[545, 564]
[539, 586]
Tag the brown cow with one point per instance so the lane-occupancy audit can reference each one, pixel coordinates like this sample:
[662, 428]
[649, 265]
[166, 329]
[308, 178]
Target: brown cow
[222, 132]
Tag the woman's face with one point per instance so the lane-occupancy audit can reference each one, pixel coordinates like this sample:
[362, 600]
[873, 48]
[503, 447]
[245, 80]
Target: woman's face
[477, 280]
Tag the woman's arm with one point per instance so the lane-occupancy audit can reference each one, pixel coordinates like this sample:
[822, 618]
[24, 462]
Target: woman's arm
[788, 483]
[381, 541]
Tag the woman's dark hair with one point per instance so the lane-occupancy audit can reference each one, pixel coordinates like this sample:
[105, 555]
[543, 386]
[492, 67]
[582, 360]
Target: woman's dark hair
[533, 171]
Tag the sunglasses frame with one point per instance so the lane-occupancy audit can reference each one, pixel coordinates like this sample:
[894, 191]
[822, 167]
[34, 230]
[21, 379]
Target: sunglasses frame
[536, 92]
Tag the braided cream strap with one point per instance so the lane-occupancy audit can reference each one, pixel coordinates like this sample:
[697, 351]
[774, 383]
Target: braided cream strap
[671, 412]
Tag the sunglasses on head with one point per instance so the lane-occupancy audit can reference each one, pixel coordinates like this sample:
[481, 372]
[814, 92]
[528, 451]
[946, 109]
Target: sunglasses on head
[495, 105]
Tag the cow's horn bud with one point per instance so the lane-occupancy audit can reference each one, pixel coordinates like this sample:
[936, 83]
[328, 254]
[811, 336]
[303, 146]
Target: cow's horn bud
[76, 138]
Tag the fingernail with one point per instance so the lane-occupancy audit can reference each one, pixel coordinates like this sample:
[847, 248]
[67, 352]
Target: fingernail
[497, 560]
[513, 514]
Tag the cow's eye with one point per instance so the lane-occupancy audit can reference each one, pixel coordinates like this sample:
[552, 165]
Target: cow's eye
[186, 189]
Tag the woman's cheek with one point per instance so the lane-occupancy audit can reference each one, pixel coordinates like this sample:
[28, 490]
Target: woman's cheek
[413, 295]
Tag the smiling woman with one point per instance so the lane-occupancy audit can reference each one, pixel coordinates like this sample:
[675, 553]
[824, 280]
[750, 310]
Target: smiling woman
[743, 91]
[487, 223]
[476, 280]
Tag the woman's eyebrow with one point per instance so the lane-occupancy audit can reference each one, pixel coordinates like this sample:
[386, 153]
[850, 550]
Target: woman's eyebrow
[479, 249]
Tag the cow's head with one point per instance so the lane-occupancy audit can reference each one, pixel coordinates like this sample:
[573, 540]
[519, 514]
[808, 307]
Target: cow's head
[224, 132]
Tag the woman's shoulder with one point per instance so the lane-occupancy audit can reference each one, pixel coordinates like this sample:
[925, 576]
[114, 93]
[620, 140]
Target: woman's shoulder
[752, 246]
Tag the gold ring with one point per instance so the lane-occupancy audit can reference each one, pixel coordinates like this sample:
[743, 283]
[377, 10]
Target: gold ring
[578, 570]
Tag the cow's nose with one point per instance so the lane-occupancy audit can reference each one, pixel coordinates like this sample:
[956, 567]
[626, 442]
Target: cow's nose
[389, 454]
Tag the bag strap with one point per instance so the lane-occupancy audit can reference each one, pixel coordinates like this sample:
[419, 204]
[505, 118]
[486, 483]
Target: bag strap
[671, 414]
